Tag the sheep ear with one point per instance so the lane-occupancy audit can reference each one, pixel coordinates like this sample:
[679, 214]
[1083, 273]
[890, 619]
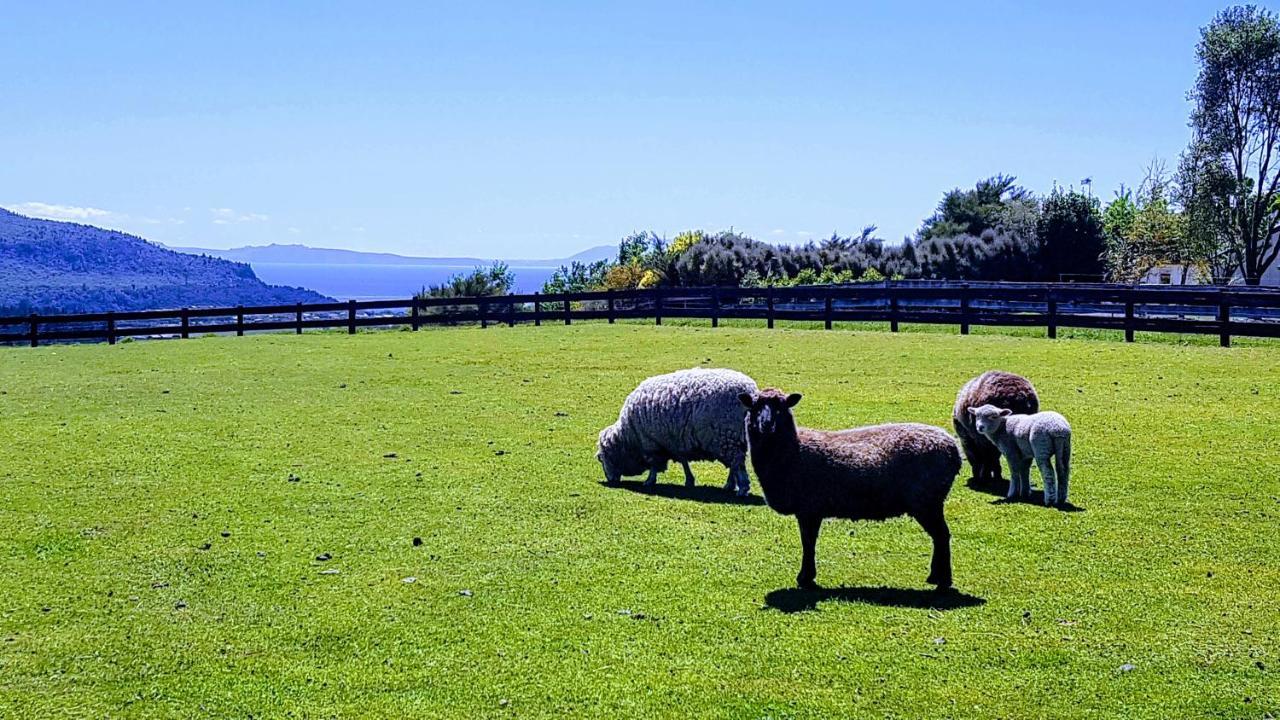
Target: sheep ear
[973, 412]
[793, 398]
[1005, 412]
[746, 399]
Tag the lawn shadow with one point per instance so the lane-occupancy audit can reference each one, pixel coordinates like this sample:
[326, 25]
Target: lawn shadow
[794, 600]
[988, 486]
[697, 493]
[1037, 499]
[1000, 487]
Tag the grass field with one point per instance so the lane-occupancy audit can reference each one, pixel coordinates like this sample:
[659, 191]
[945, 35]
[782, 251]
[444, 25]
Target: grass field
[165, 503]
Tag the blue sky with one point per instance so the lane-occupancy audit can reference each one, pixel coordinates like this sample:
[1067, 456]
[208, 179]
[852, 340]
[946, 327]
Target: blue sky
[538, 129]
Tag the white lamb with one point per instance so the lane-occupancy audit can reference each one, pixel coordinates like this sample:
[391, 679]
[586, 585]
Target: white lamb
[684, 416]
[1022, 438]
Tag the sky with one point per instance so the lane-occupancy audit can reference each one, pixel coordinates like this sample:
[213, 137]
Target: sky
[540, 129]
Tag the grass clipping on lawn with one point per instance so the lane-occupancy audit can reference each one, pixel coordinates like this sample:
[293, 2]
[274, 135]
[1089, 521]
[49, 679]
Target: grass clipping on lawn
[226, 527]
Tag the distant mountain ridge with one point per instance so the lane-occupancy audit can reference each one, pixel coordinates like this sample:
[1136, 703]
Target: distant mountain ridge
[51, 266]
[304, 254]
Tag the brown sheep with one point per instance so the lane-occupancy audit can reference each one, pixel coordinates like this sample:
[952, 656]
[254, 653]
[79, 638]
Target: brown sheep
[998, 388]
[867, 473]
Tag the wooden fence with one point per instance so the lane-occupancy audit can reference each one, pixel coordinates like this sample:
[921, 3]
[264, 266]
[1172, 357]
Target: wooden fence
[1225, 312]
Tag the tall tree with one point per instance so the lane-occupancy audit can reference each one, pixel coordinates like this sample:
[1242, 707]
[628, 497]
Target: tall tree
[969, 212]
[1236, 145]
[1070, 237]
[1149, 229]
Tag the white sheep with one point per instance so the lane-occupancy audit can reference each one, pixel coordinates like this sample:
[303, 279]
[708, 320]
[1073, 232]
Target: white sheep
[1041, 437]
[684, 416]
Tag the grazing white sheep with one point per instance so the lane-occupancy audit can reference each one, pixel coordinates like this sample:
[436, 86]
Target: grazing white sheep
[684, 416]
[1041, 436]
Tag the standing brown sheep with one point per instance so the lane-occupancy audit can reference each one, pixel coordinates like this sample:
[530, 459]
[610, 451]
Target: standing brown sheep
[868, 473]
[998, 388]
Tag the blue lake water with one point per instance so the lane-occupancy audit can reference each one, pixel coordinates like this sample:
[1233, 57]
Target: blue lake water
[380, 282]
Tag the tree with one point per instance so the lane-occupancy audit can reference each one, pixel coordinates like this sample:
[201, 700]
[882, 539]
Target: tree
[1118, 219]
[1235, 151]
[970, 212]
[1070, 236]
[494, 280]
[1204, 191]
[577, 277]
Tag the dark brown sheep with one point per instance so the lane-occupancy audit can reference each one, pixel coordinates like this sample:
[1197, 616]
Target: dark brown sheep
[994, 387]
[868, 473]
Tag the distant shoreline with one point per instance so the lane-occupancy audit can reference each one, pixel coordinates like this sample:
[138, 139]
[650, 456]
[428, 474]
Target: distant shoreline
[377, 281]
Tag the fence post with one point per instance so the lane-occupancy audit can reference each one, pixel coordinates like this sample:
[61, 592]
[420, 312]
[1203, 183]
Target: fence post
[1224, 319]
[35, 330]
[186, 323]
[610, 292]
[511, 311]
[482, 307]
[351, 317]
[1052, 316]
[827, 308]
[715, 306]
[1128, 316]
[537, 310]
[239, 320]
[657, 306]
[768, 300]
[893, 307]
[568, 308]
[111, 328]
[964, 308]
[414, 322]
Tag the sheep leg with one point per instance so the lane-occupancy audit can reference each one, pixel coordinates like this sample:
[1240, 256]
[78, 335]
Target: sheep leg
[934, 523]
[1015, 485]
[744, 481]
[809, 527]
[1062, 458]
[1050, 480]
[971, 450]
[1024, 480]
[990, 460]
[688, 474]
[653, 477]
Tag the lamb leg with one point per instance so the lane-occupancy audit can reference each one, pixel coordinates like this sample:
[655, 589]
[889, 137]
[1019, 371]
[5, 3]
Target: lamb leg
[1050, 480]
[688, 474]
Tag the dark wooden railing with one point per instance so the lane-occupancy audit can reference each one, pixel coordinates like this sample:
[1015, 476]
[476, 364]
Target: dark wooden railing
[1225, 312]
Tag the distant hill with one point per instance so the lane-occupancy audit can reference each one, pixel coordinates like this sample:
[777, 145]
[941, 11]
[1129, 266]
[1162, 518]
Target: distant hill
[302, 254]
[50, 266]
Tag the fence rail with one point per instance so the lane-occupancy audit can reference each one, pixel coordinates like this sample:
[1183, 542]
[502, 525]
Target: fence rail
[1226, 312]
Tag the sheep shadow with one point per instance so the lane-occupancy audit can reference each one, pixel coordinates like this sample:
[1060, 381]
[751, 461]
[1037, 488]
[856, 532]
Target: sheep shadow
[674, 491]
[794, 600]
[1000, 487]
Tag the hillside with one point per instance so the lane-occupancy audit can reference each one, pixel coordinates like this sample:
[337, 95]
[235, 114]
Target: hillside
[49, 266]
[303, 254]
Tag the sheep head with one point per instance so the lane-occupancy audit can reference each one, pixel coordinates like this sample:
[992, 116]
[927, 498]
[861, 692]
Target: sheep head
[989, 419]
[615, 458]
[767, 408]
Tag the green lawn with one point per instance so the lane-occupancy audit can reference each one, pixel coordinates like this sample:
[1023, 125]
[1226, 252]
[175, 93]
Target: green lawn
[158, 561]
